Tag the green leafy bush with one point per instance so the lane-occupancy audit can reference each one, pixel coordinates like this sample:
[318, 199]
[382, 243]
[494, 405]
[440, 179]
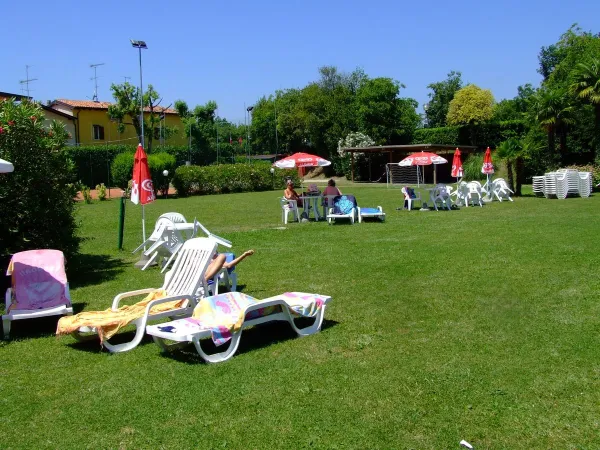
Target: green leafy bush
[87, 194]
[122, 169]
[485, 135]
[94, 162]
[225, 178]
[472, 167]
[38, 197]
[158, 163]
[101, 189]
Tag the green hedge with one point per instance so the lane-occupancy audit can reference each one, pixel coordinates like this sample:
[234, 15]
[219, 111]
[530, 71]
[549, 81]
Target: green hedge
[122, 169]
[225, 178]
[93, 163]
[485, 135]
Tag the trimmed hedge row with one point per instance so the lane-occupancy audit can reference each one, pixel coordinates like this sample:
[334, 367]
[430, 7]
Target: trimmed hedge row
[484, 135]
[122, 169]
[93, 163]
[225, 178]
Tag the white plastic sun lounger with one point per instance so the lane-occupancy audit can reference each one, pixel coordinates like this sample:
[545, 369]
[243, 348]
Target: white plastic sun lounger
[255, 312]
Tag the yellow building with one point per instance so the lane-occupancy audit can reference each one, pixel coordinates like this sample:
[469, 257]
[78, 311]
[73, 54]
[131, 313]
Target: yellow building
[93, 125]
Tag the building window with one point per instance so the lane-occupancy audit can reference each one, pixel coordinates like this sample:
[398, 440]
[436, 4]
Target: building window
[98, 132]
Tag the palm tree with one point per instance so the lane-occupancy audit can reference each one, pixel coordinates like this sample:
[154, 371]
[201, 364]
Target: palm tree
[514, 152]
[554, 113]
[586, 86]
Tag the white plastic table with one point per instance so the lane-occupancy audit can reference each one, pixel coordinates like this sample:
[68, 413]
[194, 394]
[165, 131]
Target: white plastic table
[313, 201]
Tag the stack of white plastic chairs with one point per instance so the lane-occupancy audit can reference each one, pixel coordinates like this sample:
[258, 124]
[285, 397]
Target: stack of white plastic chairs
[562, 183]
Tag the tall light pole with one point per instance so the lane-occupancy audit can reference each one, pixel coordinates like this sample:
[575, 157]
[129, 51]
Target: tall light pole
[249, 110]
[140, 45]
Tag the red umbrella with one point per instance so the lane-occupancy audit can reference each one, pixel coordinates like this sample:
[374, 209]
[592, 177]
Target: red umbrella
[457, 168]
[301, 160]
[488, 167]
[422, 159]
[142, 190]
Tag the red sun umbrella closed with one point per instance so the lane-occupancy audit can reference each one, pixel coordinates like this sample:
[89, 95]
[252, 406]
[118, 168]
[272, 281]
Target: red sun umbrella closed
[457, 168]
[142, 190]
[488, 167]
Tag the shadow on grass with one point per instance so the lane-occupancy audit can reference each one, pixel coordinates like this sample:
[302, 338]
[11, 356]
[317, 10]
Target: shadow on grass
[84, 270]
[254, 338]
[36, 328]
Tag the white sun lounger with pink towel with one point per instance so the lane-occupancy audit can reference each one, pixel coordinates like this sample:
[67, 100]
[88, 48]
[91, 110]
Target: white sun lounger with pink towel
[39, 287]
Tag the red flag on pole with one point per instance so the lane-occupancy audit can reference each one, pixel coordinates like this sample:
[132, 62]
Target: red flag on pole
[142, 190]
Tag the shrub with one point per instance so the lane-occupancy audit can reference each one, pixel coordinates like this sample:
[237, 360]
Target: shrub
[38, 197]
[92, 162]
[158, 163]
[485, 135]
[225, 178]
[101, 189]
[472, 167]
[122, 169]
[87, 195]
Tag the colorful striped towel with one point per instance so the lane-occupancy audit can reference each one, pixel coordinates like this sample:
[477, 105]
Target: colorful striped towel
[224, 314]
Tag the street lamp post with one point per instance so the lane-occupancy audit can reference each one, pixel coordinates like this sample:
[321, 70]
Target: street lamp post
[140, 45]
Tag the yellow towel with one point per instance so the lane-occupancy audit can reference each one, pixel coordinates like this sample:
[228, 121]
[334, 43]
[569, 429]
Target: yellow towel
[109, 322]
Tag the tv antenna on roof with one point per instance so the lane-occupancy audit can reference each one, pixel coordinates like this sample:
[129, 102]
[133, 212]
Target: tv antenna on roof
[95, 78]
[27, 80]
[126, 78]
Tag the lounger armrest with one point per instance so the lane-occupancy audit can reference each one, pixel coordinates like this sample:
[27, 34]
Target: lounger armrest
[7, 299]
[119, 297]
[173, 298]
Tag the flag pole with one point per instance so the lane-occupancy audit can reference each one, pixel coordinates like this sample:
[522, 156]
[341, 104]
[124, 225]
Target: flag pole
[144, 225]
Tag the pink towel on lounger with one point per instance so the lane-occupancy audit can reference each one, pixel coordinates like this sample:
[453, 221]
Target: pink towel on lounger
[39, 280]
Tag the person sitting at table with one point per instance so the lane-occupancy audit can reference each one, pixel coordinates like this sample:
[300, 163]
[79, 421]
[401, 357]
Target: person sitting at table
[219, 262]
[291, 194]
[330, 190]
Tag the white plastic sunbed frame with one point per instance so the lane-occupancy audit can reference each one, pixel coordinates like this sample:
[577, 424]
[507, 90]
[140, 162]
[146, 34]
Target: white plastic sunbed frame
[184, 281]
[194, 334]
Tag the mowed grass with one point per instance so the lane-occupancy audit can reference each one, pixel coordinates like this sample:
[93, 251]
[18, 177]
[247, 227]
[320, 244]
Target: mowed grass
[479, 324]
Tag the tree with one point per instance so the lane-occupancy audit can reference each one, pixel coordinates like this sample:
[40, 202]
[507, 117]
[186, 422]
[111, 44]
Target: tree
[199, 125]
[38, 208]
[127, 107]
[471, 106]
[436, 109]
[515, 152]
[552, 111]
[586, 86]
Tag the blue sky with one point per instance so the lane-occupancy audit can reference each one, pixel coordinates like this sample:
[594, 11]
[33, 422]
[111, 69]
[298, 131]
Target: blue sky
[234, 52]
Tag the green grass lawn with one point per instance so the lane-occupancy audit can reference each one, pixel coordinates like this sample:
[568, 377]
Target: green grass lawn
[479, 324]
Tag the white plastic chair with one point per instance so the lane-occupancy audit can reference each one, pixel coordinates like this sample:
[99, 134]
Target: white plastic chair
[501, 190]
[166, 247]
[442, 195]
[54, 302]
[288, 206]
[184, 281]
[473, 193]
[407, 198]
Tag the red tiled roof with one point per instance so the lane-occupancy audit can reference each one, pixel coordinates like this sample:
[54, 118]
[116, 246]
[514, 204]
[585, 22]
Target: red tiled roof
[89, 104]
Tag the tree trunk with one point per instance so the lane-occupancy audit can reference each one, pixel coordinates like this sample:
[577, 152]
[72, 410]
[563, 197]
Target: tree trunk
[563, 143]
[520, 172]
[551, 143]
[511, 178]
[472, 133]
[596, 142]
